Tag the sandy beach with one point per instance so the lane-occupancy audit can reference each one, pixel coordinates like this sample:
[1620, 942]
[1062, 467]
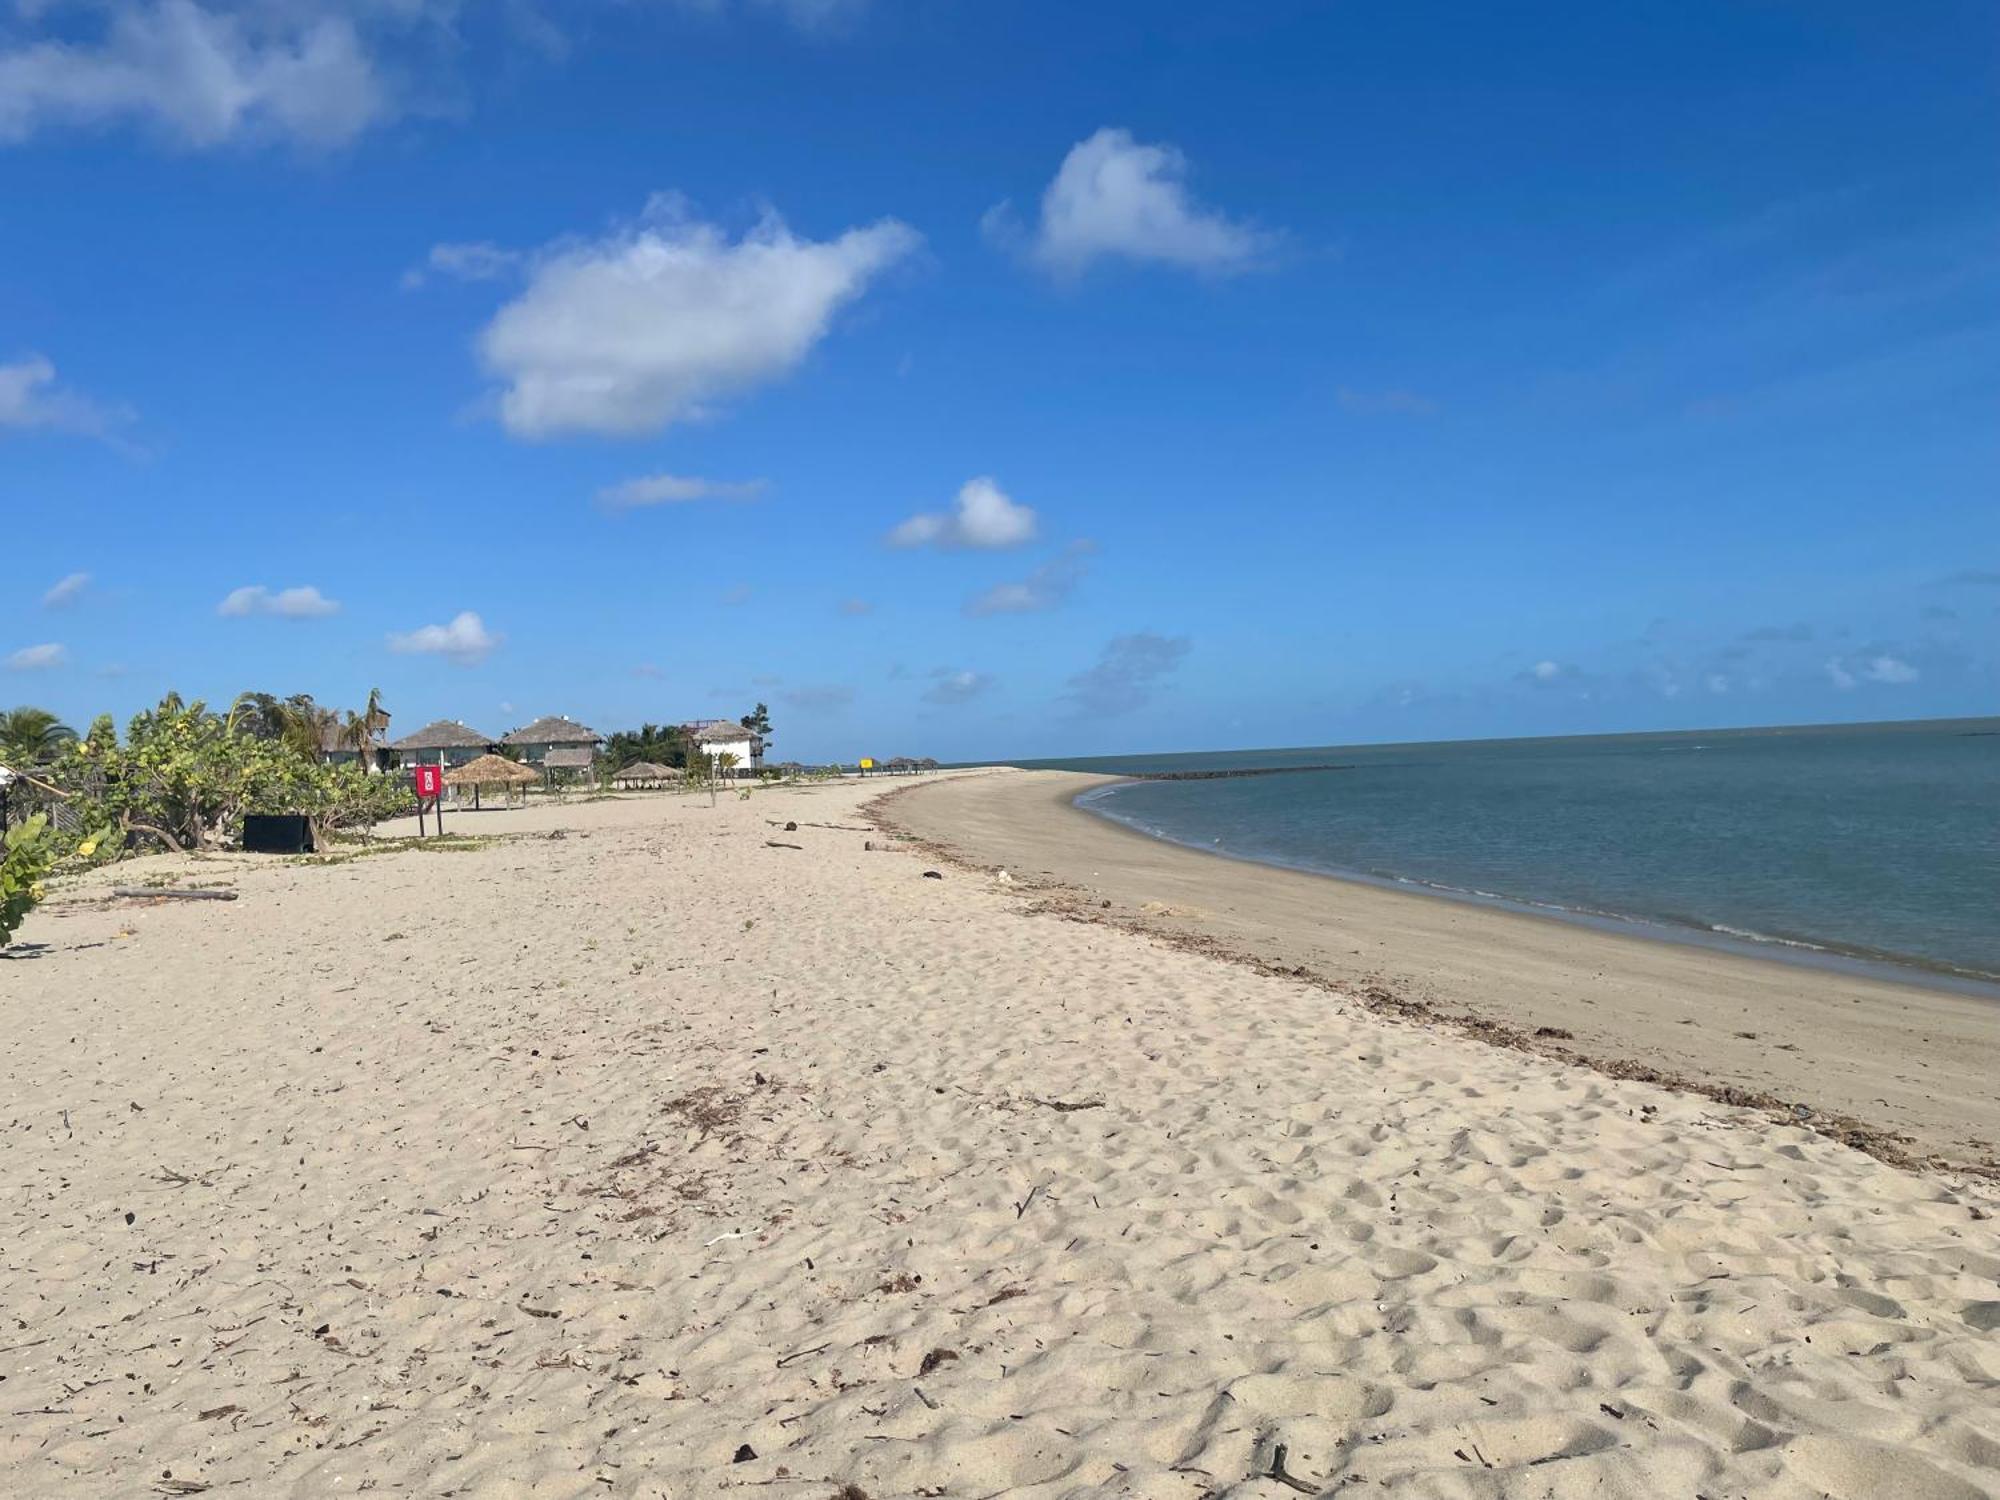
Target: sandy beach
[638, 1147]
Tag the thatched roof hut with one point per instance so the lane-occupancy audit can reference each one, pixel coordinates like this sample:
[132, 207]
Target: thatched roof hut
[720, 732]
[552, 729]
[445, 734]
[643, 773]
[570, 758]
[489, 770]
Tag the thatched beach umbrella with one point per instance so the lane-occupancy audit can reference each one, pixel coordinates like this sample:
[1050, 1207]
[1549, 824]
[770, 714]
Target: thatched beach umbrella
[641, 773]
[488, 770]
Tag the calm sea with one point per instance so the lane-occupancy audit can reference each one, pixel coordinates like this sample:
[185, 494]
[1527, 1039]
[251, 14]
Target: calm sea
[1875, 842]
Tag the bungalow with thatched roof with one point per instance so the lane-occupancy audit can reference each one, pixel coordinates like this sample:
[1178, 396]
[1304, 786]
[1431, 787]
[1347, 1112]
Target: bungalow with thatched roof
[488, 770]
[644, 773]
[714, 737]
[445, 743]
[537, 741]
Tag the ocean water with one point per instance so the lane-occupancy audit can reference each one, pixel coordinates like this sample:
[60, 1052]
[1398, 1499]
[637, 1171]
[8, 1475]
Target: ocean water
[1878, 842]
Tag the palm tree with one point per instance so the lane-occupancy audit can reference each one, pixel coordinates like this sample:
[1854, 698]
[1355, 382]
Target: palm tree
[307, 726]
[375, 721]
[29, 736]
[258, 715]
[296, 722]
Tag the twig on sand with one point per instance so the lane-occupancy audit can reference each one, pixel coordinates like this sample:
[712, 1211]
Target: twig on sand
[1028, 1202]
[777, 844]
[163, 893]
[1277, 1472]
[1067, 1106]
[803, 1353]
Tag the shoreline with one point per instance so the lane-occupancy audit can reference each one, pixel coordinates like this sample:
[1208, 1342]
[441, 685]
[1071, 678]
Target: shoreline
[1886, 1062]
[1888, 968]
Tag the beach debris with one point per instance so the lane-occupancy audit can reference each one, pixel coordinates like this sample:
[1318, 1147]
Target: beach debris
[850, 1492]
[1555, 1032]
[935, 1358]
[1067, 1106]
[745, 1454]
[777, 844]
[932, 875]
[168, 893]
[791, 827]
[1278, 1472]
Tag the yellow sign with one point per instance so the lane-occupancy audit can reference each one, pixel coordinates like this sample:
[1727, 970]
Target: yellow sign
[867, 764]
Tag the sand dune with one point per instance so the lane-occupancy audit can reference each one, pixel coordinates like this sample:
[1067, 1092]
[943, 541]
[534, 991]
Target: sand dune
[651, 1160]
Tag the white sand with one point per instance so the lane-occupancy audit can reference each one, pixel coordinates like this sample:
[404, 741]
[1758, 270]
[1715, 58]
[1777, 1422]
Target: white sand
[568, 1167]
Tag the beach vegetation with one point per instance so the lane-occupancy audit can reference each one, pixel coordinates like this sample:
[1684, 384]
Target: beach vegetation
[31, 737]
[25, 858]
[662, 744]
[185, 778]
[758, 722]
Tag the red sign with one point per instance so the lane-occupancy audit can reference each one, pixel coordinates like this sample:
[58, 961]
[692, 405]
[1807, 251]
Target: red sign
[428, 780]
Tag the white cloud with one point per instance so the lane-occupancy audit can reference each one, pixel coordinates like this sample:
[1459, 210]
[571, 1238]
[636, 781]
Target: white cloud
[1546, 671]
[1716, 683]
[674, 489]
[1045, 588]
[66, 591]
[478, 261]
[1114, 196]
[465, 640]
[30, 397]
[1879, 667]
[302, 603]
[1889, 669]
[951, 688]
[981, 516]
[657, 323]
[38, 658]
[203, 73]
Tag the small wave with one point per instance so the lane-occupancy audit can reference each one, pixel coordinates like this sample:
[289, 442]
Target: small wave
[1751, 935]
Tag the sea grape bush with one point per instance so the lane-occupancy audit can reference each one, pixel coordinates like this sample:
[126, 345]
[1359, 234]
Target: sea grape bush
[25, 858]
[185, 778]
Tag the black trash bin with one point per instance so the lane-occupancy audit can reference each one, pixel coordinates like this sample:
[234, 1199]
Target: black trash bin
[276, 833]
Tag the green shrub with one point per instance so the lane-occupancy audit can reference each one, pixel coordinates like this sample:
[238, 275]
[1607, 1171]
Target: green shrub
[23, 866]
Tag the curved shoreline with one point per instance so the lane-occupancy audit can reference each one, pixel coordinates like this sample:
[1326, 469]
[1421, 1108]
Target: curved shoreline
[1888, 968]
[1910, 1060]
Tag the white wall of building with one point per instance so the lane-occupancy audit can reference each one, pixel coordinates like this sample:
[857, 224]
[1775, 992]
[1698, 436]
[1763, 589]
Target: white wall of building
[742, 749]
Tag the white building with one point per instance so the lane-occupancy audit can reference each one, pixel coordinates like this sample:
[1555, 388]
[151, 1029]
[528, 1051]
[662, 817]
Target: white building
[721, 737]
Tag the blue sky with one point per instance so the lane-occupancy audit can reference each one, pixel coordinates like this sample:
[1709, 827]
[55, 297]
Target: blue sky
[976, 380]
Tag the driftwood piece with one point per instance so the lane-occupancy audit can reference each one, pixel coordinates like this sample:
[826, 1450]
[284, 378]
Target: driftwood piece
[167, 893]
